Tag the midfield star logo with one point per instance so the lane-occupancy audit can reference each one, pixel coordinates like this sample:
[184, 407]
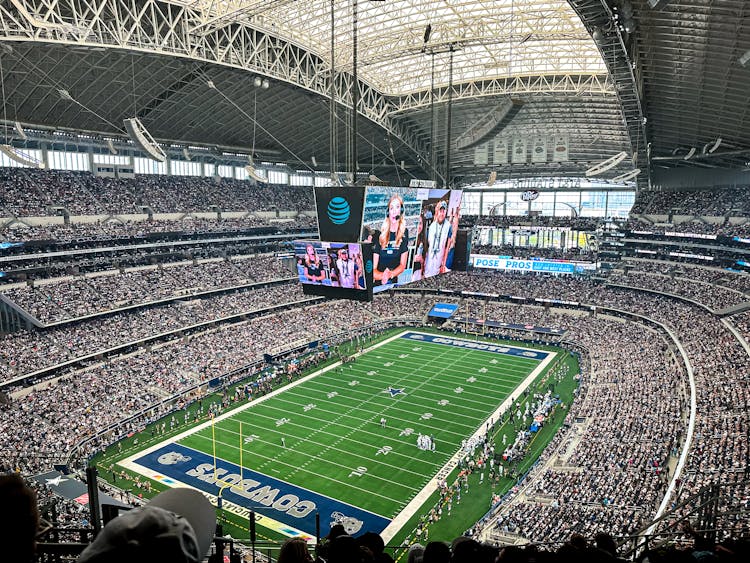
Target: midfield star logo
[394, 392]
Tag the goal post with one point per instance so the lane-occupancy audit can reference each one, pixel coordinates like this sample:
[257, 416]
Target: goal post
[221, 483]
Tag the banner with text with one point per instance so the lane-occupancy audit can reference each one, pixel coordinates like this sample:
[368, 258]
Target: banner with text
[443, 310]
[506, 263]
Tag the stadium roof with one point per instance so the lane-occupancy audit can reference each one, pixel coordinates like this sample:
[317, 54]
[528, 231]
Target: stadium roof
[491, 38]
[667, 76]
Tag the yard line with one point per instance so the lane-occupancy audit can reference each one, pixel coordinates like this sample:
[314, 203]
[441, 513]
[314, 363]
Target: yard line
[349, 453]
[318, 475]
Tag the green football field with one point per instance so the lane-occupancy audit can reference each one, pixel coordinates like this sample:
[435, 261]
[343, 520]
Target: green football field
[350, 432]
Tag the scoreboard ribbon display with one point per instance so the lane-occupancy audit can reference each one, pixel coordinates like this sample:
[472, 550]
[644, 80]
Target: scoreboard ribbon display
[515, 265]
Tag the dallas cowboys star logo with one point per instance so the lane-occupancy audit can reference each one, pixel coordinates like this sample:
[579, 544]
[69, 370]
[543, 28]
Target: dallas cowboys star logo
[56, 481]
[393, 391]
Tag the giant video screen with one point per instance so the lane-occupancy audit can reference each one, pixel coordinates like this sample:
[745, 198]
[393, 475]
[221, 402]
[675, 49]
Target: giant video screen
[333, 264]
[413, 233]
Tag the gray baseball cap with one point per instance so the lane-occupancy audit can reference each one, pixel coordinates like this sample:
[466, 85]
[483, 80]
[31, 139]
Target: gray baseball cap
[178, 526]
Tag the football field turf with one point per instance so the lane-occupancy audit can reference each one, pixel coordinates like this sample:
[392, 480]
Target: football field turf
[342, 442]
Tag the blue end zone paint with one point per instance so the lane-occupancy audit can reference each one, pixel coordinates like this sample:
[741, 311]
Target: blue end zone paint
[291, 505]
[469, 345]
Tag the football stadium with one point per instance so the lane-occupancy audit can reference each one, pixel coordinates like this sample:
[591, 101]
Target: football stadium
[358, 281]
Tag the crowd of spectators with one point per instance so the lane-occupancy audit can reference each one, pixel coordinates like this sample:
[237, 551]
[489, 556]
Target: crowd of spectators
[632, 422]
[695, 226]
[60, 264]
[714, 276]
[64, 412]
[716, 289]
[30, 351]
[132, 231]
[741, 322]
[28, 192]
[712, 296]
[74, 297]
[575, 223]
[611, 474]
[714, 202]
[634, 406]
[55, 416]
[719, 450]
[531, 251]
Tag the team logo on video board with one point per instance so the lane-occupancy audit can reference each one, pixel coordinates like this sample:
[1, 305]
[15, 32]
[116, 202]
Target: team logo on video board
[338, 210]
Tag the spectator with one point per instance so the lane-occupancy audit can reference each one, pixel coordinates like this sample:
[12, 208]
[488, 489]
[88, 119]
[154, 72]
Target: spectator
[19, 519]
[177, 526]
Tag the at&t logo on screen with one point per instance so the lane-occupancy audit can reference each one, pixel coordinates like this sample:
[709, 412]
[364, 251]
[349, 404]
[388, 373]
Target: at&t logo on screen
[338, 210]
[368, 266]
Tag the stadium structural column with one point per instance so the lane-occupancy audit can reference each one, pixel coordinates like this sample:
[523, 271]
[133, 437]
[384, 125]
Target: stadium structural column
[433, 149]
[333, 148]
[252, 532]
[317, 529]
[448, 116]
[93, 491]
[355, 91]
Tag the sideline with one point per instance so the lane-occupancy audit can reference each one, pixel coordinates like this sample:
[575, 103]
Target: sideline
[417, 501]
[421, 497]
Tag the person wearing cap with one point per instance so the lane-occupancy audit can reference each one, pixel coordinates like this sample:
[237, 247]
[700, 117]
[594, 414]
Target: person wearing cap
[347, 269]
[177, 526]
[438, 234]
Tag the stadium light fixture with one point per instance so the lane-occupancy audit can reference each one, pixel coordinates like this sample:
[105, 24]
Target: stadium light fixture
[607, 164]
[250, 169]
[490, 124]
[143, 139]
[658, 4]
[627, 176]
[20, 131]
[19, 156]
